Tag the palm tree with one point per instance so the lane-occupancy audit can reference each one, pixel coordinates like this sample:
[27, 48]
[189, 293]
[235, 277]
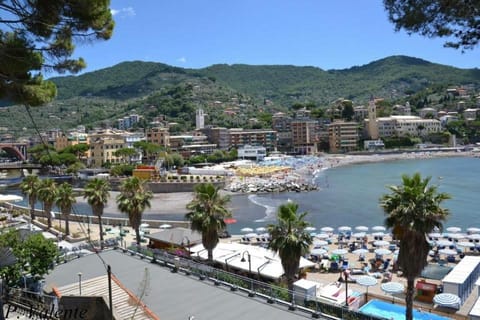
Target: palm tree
[65, 200]
[133, 199]
[97, 192]
[289, 239]
[29, 187]
[47, 194]
[207, 213]
[413, 210]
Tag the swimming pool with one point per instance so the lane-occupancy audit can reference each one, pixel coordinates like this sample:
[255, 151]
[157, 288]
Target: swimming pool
[395, 311]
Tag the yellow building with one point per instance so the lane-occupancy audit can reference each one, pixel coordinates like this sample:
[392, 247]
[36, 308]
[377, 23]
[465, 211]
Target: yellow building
[103, 146]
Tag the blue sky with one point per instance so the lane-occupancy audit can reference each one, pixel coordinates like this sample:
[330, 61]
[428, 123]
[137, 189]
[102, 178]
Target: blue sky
[327, 34]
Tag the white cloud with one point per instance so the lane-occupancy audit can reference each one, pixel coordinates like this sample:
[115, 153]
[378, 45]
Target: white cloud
[182, 60]
[123, 12]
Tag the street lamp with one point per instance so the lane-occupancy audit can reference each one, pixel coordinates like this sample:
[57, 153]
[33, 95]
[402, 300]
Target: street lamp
[80, 283]
[251, 293]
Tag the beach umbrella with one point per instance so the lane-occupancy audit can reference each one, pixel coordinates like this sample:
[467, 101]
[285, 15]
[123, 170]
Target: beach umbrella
[392, 288]
[473, 230]
[340, 252]
[144, 225]
[382, 251]
[344, 228]
[251, 235]
[457, 236]
[378, 234]
[465, 244]
[435, 235]
[319, 243]
[261, 229]
[448, 252]
[230, 220]
[447, 300]
[454, 229]
[309, 229]
[381, 243]
[165, 226]
[443, 243]
[360, 251]
[318, 252]
[378, 228]
[246, 230]
[361, 228]
[322, 236]
[359, 234]
[366, 281]
[326, 229]
[10, 198]
[474, 236]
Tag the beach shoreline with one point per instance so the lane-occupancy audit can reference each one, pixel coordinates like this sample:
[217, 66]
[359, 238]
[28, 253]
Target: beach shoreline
[175, 203]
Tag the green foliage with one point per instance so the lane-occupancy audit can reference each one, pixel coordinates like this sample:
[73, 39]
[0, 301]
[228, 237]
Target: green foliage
[34, 254]
[456, 20]
[43, 39]
[238, 94]
[399, 142]
[122, 170]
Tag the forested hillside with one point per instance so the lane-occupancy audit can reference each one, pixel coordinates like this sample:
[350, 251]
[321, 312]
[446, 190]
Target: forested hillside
[231, 94]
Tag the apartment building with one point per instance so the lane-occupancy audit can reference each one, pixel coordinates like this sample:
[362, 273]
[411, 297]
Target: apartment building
[103, 145]
[304, 136]
[257, 137]
[158, 135]
[343, 136]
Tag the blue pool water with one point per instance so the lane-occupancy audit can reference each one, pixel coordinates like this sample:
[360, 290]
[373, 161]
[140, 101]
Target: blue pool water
[389, 310]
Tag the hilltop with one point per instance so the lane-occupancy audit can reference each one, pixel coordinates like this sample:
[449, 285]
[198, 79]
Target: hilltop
[230, 94]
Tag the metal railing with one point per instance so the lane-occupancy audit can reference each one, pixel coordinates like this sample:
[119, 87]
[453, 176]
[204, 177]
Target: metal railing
[252, 286]
[32, 305]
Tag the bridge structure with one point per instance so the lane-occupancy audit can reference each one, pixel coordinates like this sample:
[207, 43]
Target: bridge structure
[15, 149]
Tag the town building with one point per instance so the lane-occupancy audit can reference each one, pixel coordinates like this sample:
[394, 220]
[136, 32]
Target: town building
[158, 135]
[257, 137]
[128, 121]
[248, 152]
[401, 126]
[200, 119]
[281, 123]
[304, 136]
[218, 136]
[343, 136]
[103, 145]
[372, 125]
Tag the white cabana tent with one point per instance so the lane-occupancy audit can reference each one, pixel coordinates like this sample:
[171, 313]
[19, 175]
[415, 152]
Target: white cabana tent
[264, 262]
[461, 280]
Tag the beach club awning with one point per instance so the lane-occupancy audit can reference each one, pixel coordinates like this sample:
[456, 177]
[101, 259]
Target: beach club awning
[392, 287]
[447, 300]
[264, 262]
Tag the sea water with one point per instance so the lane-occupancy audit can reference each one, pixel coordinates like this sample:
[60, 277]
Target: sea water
[350, 195]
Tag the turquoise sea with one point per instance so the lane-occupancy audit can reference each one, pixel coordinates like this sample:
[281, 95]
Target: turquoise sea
[350, 195]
